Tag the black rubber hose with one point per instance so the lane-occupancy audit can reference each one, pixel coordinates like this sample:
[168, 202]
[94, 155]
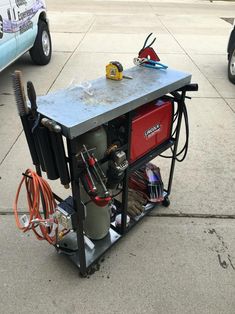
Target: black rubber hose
[60, 158]
[31, 122]
[184, 150]
[47, 152]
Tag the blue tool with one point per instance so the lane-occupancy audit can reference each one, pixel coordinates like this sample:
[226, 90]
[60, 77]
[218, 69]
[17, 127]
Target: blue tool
[148, 63]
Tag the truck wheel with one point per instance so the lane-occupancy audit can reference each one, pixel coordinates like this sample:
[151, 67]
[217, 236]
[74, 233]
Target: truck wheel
[231, 65]
[41, 50]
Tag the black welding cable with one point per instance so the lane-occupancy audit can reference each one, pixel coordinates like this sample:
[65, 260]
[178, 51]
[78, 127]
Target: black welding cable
[184, 150]
[176, 113]
[185, 147]
[175, 117]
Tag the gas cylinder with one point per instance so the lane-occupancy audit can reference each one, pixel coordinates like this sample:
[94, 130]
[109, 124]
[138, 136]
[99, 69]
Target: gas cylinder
[97, 220]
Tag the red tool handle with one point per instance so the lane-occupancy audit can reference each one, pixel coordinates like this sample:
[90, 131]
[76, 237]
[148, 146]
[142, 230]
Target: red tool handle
[148, 53]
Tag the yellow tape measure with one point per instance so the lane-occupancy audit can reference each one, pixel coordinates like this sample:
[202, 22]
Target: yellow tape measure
[114, 71]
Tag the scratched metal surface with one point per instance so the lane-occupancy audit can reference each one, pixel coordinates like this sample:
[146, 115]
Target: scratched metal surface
[78, 112]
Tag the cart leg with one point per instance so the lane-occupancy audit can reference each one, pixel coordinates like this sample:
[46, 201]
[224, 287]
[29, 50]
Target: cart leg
[124, 203]
[78, 206]
[180, 108]
[126, 177]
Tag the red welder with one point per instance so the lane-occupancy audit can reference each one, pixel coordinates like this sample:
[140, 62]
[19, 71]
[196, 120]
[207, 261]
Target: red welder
[151, 127]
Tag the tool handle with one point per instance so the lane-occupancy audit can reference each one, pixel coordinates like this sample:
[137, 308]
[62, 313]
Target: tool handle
[146, 40]
[88, 172]
[193, 87]
[157, 66]
[150, 61]
[187, 88]
[32, 96]
[97, 174]
[100, 169]
[30, 140]
[85, 185]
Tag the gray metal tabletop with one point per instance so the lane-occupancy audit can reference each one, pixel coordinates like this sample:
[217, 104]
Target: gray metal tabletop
[78, 111]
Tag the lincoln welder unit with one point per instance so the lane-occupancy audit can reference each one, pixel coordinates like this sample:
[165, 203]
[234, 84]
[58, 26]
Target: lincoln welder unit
[151, 127]
[112, 131]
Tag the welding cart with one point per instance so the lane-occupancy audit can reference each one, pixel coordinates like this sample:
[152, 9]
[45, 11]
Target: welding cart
[83, 108]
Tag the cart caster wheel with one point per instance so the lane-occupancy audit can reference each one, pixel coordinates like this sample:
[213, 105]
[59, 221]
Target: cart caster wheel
[166, 202]
[83, 275]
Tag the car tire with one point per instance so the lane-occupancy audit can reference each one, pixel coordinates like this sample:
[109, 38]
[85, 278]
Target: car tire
[41, 50]
[231, 64]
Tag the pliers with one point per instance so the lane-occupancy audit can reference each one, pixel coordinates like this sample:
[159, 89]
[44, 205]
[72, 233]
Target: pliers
[145, 46]
[148, 63]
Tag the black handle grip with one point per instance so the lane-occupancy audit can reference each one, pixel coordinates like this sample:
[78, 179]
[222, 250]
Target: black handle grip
[60, 157]
[32, 96]
[29, 137]
[193, 87]
[47, 153]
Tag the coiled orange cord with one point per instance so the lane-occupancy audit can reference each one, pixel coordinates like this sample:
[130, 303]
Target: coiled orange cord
[37, 190]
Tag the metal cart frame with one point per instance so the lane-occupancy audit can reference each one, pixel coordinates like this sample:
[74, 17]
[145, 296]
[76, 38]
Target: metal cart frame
[147, 85]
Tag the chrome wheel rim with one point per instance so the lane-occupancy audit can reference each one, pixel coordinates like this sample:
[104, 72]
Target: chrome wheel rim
[45, 43]
[232, 64]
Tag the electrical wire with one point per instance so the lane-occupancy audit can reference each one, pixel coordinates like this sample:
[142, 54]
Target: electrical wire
[38, 192]
[118, 193]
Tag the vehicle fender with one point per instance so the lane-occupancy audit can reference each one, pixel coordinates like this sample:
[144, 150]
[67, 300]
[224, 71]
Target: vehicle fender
[231, 41]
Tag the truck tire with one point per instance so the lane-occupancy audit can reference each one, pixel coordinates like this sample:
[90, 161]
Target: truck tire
[41, 50]
[231, 65]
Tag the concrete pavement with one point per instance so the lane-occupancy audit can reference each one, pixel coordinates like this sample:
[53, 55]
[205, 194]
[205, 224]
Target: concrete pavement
[168, 264]
[163, 266]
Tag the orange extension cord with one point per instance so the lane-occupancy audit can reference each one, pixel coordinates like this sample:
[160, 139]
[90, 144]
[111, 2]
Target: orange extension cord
[37, 188]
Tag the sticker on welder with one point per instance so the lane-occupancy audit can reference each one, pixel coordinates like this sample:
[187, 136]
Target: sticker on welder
[151, 131]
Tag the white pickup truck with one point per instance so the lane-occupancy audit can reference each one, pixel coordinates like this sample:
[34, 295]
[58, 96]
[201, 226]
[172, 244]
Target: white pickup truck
[24, 27]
